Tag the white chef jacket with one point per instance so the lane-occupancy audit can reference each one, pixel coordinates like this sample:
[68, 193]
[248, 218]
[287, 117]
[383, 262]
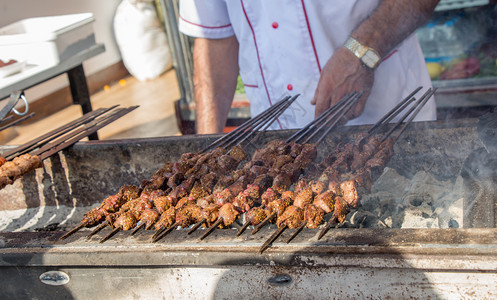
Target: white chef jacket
[285, 43]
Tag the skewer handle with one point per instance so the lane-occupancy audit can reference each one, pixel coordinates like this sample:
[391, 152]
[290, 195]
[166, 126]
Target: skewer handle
[111, 234]
[164, 232]
[272, 238]
[211, 229]
[97, 229]
[299, 229]
[196, 226]
[159, 231]
[264, 222]
[243, 228]
[327, 227]
[141, 225]
[72, 231]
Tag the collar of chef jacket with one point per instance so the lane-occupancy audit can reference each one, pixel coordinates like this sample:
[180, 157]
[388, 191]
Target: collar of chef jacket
[284, 45]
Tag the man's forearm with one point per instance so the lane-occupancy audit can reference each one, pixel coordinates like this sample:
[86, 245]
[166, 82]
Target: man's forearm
[392, 22]
[215, 74]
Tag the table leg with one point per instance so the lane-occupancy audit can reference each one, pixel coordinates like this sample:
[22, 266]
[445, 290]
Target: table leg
[80, 93]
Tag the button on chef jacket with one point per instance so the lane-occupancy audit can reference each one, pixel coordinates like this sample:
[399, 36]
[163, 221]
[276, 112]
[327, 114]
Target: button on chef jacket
[284, 45]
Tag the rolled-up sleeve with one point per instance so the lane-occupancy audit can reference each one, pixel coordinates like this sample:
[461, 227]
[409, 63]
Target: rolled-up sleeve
[205, 19]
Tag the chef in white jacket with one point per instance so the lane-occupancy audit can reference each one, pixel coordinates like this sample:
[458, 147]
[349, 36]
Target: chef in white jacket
[321, 49]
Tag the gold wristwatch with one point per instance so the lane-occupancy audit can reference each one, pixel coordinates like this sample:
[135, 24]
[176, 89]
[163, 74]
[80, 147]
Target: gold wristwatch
[368, 56]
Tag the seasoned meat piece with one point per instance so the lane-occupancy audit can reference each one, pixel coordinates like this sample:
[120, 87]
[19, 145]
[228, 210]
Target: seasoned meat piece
[158, 180]
[304, 197]
[217, 152]
[94, 216]
[268, 196]
[208, 181]
[278, 206]
[364, 178]
[178, 193]
[292, 217]
[273, 145]
[259, 170]
[187, 215]
[198, 191]
[372, 144]
[334, 187]
[175, 180]
[210, 213]
[288, 196]
[295, 149]
[255, 215]
[281, 183]
[129, 192]
[281, 160]
[317, 187]
[149, 217]
[237, 153]
[307, 155]
[12, 170]
[341, 209]
[263, 182]
[253, 191]
[163, 203]
[185, 201]
[239, 185]
[125, 221]
[325, 201]
[301, 184]
[242, 202]
[313, 215]
[113, 203]
[156, 194]
[265, 155]
[223, 197]
[205, 201]
[359, 158]
[293, 170]
[166, 219]
[228, 214]
[223, 183]
[139, 207]
[350, 193]
[283, 148]
[227, 162]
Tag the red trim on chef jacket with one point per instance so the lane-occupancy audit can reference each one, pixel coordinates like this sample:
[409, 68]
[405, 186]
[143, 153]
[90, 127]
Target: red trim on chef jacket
[389, 55]
[310, 35]
[204, 26]
[258, 57]
[251, 85]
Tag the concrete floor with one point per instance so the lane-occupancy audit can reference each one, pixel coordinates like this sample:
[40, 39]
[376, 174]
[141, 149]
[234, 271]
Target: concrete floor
[154, 118]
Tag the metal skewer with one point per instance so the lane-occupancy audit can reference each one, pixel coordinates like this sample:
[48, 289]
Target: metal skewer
[196, 226]
[98, 229]
[327, 227]
[264, 222]
[226, 138]
[111, 234]
[211, 229]
[73, 230]
[164, 232]
[242, 229]
[299, 229]
[137, 228]
[273, 237]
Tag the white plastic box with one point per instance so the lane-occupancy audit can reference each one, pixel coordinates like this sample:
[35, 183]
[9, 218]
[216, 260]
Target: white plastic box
[47, 40]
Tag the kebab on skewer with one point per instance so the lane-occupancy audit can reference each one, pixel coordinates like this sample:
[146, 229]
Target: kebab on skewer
[10, 171]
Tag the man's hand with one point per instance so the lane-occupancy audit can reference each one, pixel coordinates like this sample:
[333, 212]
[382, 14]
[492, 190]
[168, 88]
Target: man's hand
[342, 75]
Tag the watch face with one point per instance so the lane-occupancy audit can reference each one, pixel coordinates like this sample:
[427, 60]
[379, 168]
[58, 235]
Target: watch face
[371, 58]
